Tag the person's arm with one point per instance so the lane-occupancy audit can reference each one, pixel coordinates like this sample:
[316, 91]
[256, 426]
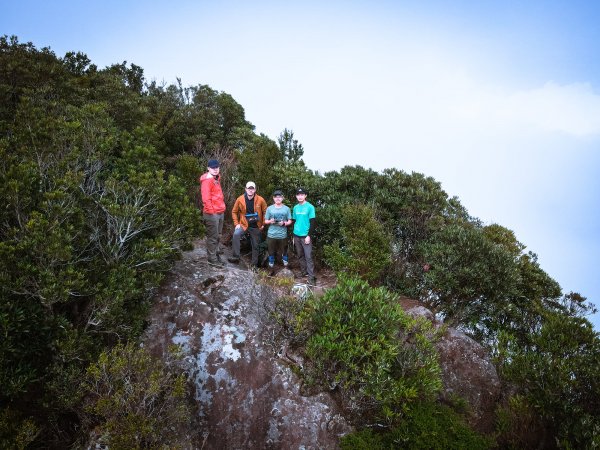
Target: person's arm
[235, 213]
[205, 192]
[262, 210]
[288, 222]
[311, 229]
[268, 220]
[312, 226]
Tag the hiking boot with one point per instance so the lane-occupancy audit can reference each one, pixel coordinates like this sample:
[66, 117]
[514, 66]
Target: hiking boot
[285, 261]
[233, 260]
[216, 263]
[271, 262]
[304, 273]
[312, 281]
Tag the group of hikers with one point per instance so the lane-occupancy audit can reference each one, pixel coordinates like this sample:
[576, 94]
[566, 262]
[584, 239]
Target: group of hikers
[250, 214]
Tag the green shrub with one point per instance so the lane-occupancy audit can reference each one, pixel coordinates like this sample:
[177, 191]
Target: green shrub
[558, 378]
[187, 169]
[471, 276]
[364, 248]
[280, 311]
[518, 425]
[364, 344]
[25, 345]
[15, 432]
[134, 400]
[427, 426]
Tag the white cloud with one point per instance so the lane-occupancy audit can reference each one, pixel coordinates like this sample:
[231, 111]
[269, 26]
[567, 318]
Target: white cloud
[572, 109]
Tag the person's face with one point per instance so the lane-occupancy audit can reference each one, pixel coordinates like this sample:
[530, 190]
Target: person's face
[301, 198]
[250, 192]
[214, 170]
[278, 199]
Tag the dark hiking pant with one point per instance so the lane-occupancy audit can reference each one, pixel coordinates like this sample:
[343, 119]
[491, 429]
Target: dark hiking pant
[304, 252]
[277, 246]
[254, 241]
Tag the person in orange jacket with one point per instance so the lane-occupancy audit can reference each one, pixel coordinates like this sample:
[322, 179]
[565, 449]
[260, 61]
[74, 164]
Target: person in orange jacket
[248, 215]
[213, 211]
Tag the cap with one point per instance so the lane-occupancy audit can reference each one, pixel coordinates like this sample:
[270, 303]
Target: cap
[213, 163]
[301, 191]
[277, 192]
[250, 184]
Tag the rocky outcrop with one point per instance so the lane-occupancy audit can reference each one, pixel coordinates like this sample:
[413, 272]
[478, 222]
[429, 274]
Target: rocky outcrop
[246, 392]
[247, 396]
[467, 371]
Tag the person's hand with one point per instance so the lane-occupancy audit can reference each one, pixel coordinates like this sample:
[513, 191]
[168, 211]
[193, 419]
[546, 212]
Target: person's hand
[307, 240]
[238, 226]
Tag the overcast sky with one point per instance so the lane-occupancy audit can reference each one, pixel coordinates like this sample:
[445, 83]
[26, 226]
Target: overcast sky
[499, 101]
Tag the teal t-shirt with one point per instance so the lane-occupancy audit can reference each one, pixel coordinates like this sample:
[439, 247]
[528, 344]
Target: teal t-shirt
[302, 215]
[279, 214]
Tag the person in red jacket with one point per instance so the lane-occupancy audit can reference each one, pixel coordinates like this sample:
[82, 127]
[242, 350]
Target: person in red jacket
[213, 211]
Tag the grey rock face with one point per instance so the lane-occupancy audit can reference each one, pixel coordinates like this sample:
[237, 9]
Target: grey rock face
[247, 396]
[467, 371]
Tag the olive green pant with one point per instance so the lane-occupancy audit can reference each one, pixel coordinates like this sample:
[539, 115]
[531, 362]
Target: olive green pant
[214, 228]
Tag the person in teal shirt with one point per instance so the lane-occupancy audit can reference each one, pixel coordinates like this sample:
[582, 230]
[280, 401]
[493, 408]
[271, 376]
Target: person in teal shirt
[278, 217]
[304, 215]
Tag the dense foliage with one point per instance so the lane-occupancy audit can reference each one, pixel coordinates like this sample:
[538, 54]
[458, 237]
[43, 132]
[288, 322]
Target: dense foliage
[556, 375]
[427, 426]
[363, 343]
[98, 176]
[363, 247]
[135, 401]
